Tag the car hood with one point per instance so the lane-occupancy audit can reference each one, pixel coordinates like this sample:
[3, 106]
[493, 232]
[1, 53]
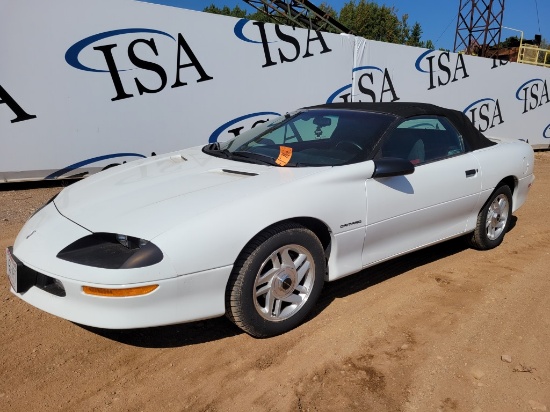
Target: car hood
[147, 197]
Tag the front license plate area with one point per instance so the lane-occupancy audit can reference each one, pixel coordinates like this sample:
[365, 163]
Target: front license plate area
[21, 278]
[11, 269]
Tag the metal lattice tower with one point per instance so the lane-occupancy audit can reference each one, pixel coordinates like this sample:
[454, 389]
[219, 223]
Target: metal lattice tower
[300, 12]
[478, 26]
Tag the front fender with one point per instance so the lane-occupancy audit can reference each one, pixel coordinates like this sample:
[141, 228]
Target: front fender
[214, 239]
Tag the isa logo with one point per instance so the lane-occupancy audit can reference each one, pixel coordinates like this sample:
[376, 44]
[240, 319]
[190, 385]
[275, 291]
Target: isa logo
[443, 68]
[152, 58]
[234, 127]
[370, 84]
[533, 93]
[281, 45]
[20, 114]
[484, 113]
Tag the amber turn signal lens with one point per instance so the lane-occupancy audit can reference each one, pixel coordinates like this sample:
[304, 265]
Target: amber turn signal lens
[119, 293]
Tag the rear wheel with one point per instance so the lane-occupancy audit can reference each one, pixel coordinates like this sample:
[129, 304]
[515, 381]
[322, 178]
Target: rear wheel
[276, 281]
[493, 220]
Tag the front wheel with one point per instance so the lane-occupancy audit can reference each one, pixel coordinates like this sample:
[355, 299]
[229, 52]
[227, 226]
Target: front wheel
[276, 280]
[493, 220]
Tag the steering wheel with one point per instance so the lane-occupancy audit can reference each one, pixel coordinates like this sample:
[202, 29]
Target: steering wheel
[343, 144]
[424, 126]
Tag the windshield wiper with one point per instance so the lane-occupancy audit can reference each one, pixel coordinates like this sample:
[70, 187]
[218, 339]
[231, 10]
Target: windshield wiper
[239, 155]
[254, 157]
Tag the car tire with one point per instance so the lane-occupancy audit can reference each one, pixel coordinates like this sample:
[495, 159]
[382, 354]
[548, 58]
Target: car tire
[276, 280]
[493, 220]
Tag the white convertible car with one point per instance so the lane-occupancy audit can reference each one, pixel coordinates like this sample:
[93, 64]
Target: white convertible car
[253, 227]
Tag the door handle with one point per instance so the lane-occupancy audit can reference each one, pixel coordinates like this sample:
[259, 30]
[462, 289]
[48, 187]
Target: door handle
[471, 172]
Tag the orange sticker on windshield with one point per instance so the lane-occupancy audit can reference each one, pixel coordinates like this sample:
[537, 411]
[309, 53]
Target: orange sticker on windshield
[284, 155]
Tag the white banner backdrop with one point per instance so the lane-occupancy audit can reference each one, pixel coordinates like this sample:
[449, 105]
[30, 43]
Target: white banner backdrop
[84, 85]
[88, 84]
[504, 100]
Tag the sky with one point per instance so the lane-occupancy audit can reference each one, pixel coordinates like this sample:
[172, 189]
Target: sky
[437, 17]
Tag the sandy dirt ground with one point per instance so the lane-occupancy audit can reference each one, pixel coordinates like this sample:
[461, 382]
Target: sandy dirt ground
[444, 329]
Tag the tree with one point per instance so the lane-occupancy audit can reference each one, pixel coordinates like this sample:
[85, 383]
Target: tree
[364, 18]
[226, 11]
[328, 10]
[545, 46]
[404, 28]
[512, 41]
[368, 19]
[416, 34]
[237, 12]
[258, 16]
[430, 45]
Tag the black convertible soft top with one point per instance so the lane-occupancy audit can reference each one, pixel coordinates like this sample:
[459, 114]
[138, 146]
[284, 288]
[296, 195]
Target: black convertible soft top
[472, 136]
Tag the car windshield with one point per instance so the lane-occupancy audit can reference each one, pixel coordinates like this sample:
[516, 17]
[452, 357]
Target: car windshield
[315, 137]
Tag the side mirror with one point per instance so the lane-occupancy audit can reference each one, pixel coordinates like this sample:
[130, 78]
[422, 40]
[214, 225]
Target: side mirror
[392, 166]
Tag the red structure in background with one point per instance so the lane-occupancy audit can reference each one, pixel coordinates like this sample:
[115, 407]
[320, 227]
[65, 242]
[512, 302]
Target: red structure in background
[478, 26]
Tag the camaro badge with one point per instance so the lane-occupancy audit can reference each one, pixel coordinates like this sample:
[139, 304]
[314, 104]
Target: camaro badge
[350, 224]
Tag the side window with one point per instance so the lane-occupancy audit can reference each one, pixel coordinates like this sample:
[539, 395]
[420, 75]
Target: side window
[432, 123]
[423, 139]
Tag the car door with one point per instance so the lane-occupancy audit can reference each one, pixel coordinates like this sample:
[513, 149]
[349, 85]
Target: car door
[434, 203]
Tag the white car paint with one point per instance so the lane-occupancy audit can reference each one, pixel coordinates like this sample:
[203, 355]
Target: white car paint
[201, 215]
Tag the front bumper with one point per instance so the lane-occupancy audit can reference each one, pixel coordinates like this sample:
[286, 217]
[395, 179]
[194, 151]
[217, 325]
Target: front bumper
[55, 285]
[177, 300]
